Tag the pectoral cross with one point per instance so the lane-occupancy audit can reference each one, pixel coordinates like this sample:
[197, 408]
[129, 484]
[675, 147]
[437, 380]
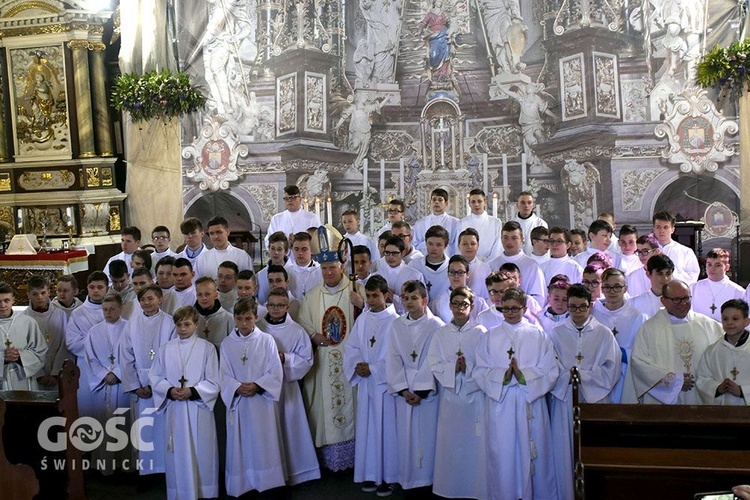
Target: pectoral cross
[414, 355]
[206, 331]
[8, 343]
[112, 358]
[713, 308]
[614, 331]
[182, 381]
[734, 373]
[579, 357]
[511, 352]
[429, 286]
[372, 340]
[243, 358]
[151, 353]
[459, 353]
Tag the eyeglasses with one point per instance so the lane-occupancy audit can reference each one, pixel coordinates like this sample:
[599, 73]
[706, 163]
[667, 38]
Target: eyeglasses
[557, 242]
[403, 236]
[392, 211]
[160, 238]
[612, 288]
[457, 273]
[591, 283]
[291, 197]
[388, 253]
[460, 305]
[578, 308]
[679, 300]
[276, 306]
[514, 309]
[543, 240]
[644, 251]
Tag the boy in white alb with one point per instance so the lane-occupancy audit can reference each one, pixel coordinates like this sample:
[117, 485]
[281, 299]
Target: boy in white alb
[185, 381]
[278, 250]
[130, 240]
[438, 217]
[215, 323]
[582, 342]
[376, 449]
[686, 264]
[296, 357]
[192, 232]
[396, 273]
[516, 368]
[539, 245]
[304, 274]
[468, 246]
[208, 261]
[710, 293]
[161, 237]
[461, 461]
[638, 281]
[600, 237]
[294, 219]
[434, 265]
[559, 261]
[251, 382]
[409, 376]
[183, 293]
[403, 230]
[488, 228]
[350, 222]
[556, 309]
[659, 271]
[396, 209]
[531, 275]
[24, 348]
[526, 218]
[458, 276]
[226, 284]
[628, 261]
[65, 296]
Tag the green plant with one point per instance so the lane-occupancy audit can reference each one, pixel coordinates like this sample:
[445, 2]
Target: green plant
[156, 95]
[726, 69]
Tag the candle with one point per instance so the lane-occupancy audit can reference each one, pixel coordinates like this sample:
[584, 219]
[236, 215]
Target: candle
[329, 211]
[307, 204]
[485, 182]
[505, 170]
[317, 208]
[401, 180]
[382, 179]
[468, 205]
[69, 212]
[372, 219]
[20, 219]
[523, 171]
[364, 177]
[495, 200]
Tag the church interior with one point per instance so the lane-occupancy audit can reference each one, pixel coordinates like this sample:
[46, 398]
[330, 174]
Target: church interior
[590, 106]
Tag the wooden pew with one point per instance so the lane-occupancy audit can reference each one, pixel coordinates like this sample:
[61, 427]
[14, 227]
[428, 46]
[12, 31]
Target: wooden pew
[16, 481]
[24, 412]
[655, 451]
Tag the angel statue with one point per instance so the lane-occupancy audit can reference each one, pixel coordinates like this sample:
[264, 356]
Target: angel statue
[360, 124]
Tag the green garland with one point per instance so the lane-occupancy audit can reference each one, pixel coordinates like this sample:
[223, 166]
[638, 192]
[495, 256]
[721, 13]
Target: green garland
[156, 95]
[726, 69]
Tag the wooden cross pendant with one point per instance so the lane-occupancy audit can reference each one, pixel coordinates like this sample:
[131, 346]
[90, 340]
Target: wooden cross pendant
[579, 357]
[8, 343]
[206, 331]
[511, 352]
[413, 355]
[112, 358]
[713, 308]
[734, 373]
[151, 353]
[372, 341]
[614, 331]
[182, 381]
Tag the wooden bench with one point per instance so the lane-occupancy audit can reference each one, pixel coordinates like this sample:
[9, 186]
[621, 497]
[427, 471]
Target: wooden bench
[655, 451]
[24, 412]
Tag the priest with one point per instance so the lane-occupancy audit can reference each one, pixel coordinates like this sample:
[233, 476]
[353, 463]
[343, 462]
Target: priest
[294, 219]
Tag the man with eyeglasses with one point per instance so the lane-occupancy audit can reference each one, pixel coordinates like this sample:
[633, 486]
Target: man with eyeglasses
[395, 271]
[508, 277]
[581, 341]
[458, 276]
[667, 350]
[294, 219]
[161, 237]
[717, 288]
[659, 270]
[402, 229]
[395, 212]
[646, 247]
[559, 261]
[617, 314]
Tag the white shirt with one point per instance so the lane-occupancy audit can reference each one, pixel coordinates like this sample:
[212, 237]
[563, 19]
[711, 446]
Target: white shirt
[292, 222]
[490, 232]
[208, 261]
[527, 225]
[686, 266]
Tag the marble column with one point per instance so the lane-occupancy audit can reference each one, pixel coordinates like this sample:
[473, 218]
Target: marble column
[101, 106]
[79, 48]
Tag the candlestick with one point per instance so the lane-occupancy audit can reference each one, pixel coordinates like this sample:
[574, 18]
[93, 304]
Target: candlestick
[382, 179]
[485, 182]
[329, 211]
[523, 171]
[307, 205]
[495, 200]
[505, 171]
[364, 177]
[401, 180]
[468, 205]
[317, 208]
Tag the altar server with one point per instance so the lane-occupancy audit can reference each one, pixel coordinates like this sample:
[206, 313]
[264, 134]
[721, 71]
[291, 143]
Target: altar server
[23, 345]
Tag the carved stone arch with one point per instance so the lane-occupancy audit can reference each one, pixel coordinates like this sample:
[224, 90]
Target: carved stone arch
[442, 134]
[671, 178]
[235, 198]
[36, 8]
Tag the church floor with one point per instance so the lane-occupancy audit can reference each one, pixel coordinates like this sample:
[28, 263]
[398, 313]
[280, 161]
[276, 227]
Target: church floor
[337, 485]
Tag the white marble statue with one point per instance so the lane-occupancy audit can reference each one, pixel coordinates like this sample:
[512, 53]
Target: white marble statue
[683, 21]
[360, 125]
[533, 100]
[506, 33]
[375, 56]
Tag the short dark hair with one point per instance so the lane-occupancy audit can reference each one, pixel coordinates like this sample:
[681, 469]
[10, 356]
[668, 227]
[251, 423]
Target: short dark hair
[412, 286]
[6, 288]
[477, 191]
[228, 264]
[440, 192]
[145, 255]
[218, 221]
[161, 229]
[182, 262]
[361, 250]
[396, 242]
[248, 274]
[98, 276]
[509, 267]
[579, 232]
[579, 291]
[511, 226]
[736, 304]
[150, 288]
[401, 224]
[524, 193]
[143, 271]
[69, 278]
[132, 231]
[401, 206]
[291, 189]
[118, 268]
[167, 260]
[278, 291]
[437, 232]
[302, 236]
[469, 231]
[663, 215]
[385, 235]
[648, 239]
[205, 279]
[246, 305]
[278, 269]
[377, 282]
[279, 237]
[184, 313]
[562, 230]
[514, 293]
[600, 225]
[463, 291]
[659, 263]
[191, 224]
[538, 232]
[460, 259]
[627, 229]
[36, 282]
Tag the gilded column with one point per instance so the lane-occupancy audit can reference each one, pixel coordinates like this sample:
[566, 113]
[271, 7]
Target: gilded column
[101, 107]
[79, 48]
[3, 135]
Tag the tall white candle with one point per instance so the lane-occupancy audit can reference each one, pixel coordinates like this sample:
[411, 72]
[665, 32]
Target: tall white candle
[523, 171]
[494, 204]
[317, 208]
[329, 211]
[382, 179]
[468, 205]
[20, 219]
[69, 213]
[485, 181]
[307, 204]
[401, 180]
[505, 170]
[364, 177]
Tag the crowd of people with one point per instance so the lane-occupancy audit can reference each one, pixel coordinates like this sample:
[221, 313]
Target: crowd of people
[442, 360]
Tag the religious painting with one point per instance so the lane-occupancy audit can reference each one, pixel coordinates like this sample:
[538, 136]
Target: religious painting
[39, 103]
[696, 135]
[573, 87]
[334, 325]
[286, 104]
[720, 221]
[315, 102]
[607, 85]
